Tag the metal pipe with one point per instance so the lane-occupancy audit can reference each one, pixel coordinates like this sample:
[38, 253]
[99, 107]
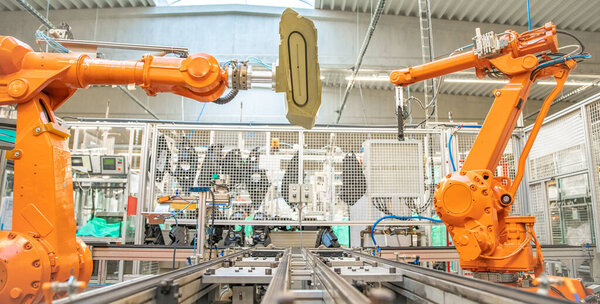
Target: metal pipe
[26, 6]
[139, 102]
[361, 55]
[180, 51]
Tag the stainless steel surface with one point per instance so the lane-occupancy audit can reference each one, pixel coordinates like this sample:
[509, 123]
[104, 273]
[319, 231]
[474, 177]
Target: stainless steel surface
[430, 285]
[316, 275]
[139, 291]
[339, 289]
[279, 284]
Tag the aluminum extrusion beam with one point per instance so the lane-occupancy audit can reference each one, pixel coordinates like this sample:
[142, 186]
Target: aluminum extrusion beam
[338, 288]
[137, 291]
[279, 284]
[421, 283]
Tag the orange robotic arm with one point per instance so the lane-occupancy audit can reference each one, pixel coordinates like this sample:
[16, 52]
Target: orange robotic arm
[25, 73]
[473, 203]
[42, 246]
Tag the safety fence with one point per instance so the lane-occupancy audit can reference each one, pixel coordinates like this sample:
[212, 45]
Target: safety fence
[563, 175]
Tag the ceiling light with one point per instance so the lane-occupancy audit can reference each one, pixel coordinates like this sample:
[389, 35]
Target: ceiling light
[488, 81]
[492, 81]
[369, 78]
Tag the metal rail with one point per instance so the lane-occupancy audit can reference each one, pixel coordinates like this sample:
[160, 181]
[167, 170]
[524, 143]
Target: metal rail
[146, 287]
[428, 284]
[279, 284]
[339, 289]
[321, 275]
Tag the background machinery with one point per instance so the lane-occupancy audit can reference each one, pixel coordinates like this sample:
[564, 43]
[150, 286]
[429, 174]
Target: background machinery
[473, 203]
[42, 247]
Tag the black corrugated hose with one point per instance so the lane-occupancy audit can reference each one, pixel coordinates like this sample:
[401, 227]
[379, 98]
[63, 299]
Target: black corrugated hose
[227, 97]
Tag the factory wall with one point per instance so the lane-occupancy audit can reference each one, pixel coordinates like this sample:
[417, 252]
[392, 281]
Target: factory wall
[242, 31]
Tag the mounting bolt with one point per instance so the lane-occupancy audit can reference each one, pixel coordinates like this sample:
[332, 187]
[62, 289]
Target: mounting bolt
[17, 88]
[337, 270]
[505, 199]
[17, 153]
[268, 271]
[38, 130]
[392, 269]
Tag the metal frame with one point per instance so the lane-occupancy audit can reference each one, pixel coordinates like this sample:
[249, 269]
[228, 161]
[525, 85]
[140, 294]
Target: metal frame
[268, 129]
[290, 273]
[581, 108]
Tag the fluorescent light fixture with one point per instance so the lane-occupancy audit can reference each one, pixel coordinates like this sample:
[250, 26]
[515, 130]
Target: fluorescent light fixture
[492, 81]
[568, 83]
[487, 81]
[369, 78]
[322, 77]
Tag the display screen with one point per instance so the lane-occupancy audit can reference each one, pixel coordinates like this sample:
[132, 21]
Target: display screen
[109, 164]
[77, 161]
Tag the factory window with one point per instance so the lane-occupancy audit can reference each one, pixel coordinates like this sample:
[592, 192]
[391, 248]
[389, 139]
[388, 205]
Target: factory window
[282, 3]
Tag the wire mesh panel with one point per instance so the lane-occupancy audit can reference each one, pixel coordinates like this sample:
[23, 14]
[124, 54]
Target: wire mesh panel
[507, 166]
[394, 175]
[557, 168]
[538, 209]
[593, 121]
[261, 164]
[253, 163]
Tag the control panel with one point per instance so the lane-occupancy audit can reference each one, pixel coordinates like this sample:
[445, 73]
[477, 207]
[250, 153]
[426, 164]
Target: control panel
[300, 193]
[82, 163]
[113, 164]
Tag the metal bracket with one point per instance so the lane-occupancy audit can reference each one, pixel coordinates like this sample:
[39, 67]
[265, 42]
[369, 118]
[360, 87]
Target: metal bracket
[53, 128]
[168, 292]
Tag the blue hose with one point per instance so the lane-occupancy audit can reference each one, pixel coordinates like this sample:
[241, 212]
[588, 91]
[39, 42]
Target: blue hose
[450, 152]
[450, 143]
[398, 218]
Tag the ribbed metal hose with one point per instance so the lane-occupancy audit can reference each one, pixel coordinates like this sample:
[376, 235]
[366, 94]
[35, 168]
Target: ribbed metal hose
[227, 97]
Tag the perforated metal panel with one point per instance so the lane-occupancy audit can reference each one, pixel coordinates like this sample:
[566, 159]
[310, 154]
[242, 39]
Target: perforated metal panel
[507, 166]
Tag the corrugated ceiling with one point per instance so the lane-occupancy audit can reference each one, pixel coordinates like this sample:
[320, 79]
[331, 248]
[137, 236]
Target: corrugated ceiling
[12, 5]
[580, 15]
